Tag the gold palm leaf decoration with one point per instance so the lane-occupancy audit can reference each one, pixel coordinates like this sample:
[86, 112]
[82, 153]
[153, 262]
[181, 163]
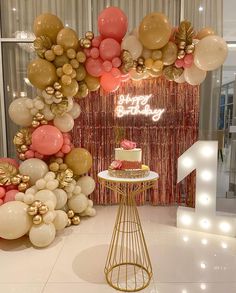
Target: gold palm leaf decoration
[171, 72]
[7, 171]
[127, 61]
[184, 39]
[60, 108]
[65, 177]
[41, 45]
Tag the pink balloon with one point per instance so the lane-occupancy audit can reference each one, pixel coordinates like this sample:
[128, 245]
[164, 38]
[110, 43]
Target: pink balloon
[87, 52]
[109, 49]
[10, 195]
[110, 83]
[96, 41]
[116, 62]
[1, 201]
[10, 161]
[107, 66]
[38, 155]
[94, 53]
[188, 59]
[94, 66]
[60, 154]
[10, 187]
[2, 192]
[187, 65]
[112, 23]
[66, 148]
[67, 135]
[115, 72]
[29, 154]
[47, 140]
[179, 63]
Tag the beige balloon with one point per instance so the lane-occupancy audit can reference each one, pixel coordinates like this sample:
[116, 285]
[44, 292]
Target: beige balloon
[75, 111]
[78, 203]
[146, 53]
[60, 220]
[133, 45]
[65, 123]
[194, 75]
[180, 79]
[169, 53]
[87, 184]
[48, 115]
[41, 73]
[68, 38]
[154, 31]
[46, 195]
[19, 113]
[14, 220]
[35, 168]
[42, 235]
[61, 196]
[71, 89]
[93, 83]
[134, 75]
[47, 25]
[210, 53]
[207, 31]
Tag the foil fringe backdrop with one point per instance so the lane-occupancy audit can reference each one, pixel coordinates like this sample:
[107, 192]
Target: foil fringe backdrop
[162, 142]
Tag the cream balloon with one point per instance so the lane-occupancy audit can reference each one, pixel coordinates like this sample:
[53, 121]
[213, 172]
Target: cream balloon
[180, 79]
[60, 220]
[65, 123]
[61, 198]
[134, 75]
[14, 220]
[194, 75]
[207, 31]
[19, 113]
[87, 184]
[146, 53]
[75, 111]
[42, 235]
[78, 203]
[132, 44]
[210, 53]
[48, 115]
[35, 168]
[70, 104]
[46, 195]
[135, 32]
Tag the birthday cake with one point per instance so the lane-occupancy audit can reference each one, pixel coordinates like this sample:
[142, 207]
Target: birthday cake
[128, 162]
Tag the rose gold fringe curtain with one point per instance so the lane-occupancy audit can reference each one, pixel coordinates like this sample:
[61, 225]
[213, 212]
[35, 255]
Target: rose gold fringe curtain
[162, 142]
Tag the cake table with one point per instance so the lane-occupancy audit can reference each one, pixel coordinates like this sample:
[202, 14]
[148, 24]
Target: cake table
[128, 267]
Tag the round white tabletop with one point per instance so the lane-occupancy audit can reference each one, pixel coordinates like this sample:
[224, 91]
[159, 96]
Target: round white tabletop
[105, 176]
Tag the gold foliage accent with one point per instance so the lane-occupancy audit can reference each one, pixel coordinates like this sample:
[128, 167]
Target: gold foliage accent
[65, 177]
[60, 108]
[185, 33]
[41, 45]
[127, 61]
[7, 171]
[171, 72]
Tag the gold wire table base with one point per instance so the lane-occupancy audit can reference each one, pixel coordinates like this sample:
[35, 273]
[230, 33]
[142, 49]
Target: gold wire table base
[128, 267]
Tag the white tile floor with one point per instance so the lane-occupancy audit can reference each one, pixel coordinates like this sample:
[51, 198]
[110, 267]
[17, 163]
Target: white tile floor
[183, 261]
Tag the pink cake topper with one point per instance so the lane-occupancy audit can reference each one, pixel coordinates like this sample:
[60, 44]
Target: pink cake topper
[128, 145]
[116, 165]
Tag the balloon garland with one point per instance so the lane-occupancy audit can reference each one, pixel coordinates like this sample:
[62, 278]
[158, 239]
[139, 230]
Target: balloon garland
[49, 190]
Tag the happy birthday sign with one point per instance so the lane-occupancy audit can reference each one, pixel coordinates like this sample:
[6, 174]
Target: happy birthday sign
[137, 105]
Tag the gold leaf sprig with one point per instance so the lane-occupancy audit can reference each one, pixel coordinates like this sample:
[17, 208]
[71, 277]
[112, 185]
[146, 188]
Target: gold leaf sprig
[184, 39]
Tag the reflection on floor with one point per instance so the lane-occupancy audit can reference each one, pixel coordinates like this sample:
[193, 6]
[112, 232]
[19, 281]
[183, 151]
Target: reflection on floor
[223, 174]
[183, 261]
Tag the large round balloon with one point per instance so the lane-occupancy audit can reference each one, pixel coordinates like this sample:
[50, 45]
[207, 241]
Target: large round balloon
[112, 23]
[94, 66]
[19, 113]
[154, 31]
[87, 184]
[132, 44]
[47, 140]
[64, 123]
[79, 160]
[194, 75]
[46, 195]
[67, 38]
[78, 203]
[93, 83]
[70, 90]
[60, 220]
[206, 31]
[14, 220]
[169, 53]
[42, 235]
[35, 168]
[75, 111]
[109, 49]
[109, 82]
[61, 197]
[47, 25]
[210, 53]
[41, 73]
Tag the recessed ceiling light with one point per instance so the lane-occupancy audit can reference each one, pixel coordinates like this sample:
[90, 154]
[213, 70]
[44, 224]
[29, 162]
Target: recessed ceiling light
[13, 9]
[200, 8]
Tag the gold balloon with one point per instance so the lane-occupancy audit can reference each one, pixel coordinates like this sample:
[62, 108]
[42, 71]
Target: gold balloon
[153, 73]
[32, 211]
[47, 25]
[93, 83]
[169, 53]
[75, 220]
[61, 60]
[41, 73]
[67, 38]
[37, 203]
[80, 73]
[79, 160]
[83, 90]
[71, 89]
[207, 31]
[43, 209]
[37, 220]
[154, 31]
[70, 214]
[148, 63]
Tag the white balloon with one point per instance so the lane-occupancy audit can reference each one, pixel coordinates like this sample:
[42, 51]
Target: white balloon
[19, 113]
[180, 79]
[35, 168]
[210, 53]
[48, 115]
[46, 195]
[61, 198]
[42, 235]
[78, 203]
[49, 217]
[75, 111]
[70, 104]
[132, 44]
[61, 220]
[14, 220]
[194, 75]
[90, 212]
[135, 32]
[65, 123]
[87, 184]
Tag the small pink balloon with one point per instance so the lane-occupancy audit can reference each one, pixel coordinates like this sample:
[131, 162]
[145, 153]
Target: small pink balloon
[38, 155]
[109, 49]
[179, 63]
[112, 23]
[10, 195]
[10, 187]
[187, 65]
[124, 77]
[110, 83]
[10, 161]
[2, 192]
[115, 72]
[66, 149]
[29, 154]
[66, 135]
[47, 140]
[107, 66]
[96, 41]
[94, 66]
[188, 59]
[116, 62]
[87, 52]
[94, 53]
[1, 202]
[67, 141]
[60, 154]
